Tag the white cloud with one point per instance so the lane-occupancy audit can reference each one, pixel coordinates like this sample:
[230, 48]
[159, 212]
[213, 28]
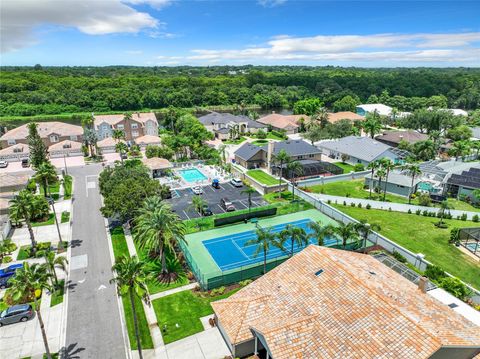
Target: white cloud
[398, 48]
[156, 4]
[271, 3]
[19, 18]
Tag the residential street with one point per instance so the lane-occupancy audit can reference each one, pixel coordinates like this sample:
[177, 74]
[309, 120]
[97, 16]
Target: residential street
[94, 326]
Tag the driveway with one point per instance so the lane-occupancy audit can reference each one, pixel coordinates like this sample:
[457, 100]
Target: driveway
[94, 325]
[182, 199]
[208, 344]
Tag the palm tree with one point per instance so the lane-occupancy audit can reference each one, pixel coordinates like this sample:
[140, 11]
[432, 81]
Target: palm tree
[424, 150]
[53, 262]
[222, 151]
[264, 240]
[131, 276]
[91, 139]
[158, 231]
[249, 191]
[346, 232]
[118, 135]
[372, 166]
[475, 145]
[372, 125]
[121, 147]
[387, 165]
[320, 117]
[295, 235]
[459, 149]
[380, 174]
[444, 205]
[23, 207]
[321, 231]
[282, 157]
[45, 174]
[198, 203]
[363, 229]
[29, 282]
[295, 169]
[413, 170]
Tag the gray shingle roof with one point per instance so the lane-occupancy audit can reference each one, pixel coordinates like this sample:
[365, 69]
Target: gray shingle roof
[225, 118]
[247, 151]
[363, 148]
[401, 179]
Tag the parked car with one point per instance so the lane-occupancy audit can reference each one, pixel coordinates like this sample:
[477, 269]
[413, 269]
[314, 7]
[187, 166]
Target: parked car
[3, 164]
[227, 205]
[236, 182]
[15, 314]
[197, 190]
[25, 163]
[206, 211]
[216, 183]
[4, 282]
[123, 156]
[10, 270]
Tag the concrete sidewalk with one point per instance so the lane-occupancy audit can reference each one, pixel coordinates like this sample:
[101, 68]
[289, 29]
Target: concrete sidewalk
[397, 207]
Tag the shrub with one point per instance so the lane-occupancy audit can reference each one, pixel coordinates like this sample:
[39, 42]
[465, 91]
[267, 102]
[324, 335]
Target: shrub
[399, 257]
[32, 186]
[458, 217]
[359, 167]
[7, 259]
[424, 200]
[425, 213]
[329, 201]
[463, 217]
[409, 211]
[441, 225]
[389, 209]
[344, 203]
[448, 216]
[347, 195]
[245, 282]
[475, 218]
[454, 232]
[454, 286]
[359, 205]
[352, 204]
[418, 212]
[217, 291]
[434, 272]
[368, 206]
[413, 196]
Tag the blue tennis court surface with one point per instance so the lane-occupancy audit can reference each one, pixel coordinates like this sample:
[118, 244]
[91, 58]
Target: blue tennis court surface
[230, 252]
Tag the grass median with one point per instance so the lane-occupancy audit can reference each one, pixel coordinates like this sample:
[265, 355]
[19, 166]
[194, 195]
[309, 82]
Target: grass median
[262, 177]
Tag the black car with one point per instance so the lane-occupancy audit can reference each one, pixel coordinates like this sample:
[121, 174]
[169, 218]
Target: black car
[206, 211]
[25, 163]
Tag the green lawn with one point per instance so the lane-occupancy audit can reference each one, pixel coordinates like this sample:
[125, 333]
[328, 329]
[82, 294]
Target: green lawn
[262, 177]
[54, 189]
[49, 221]
[65, 216]
[418, 234]
[120, 248]
[185, 309]
[24, 251]
[354, 189]
[234, 142]
[347, 167]
[57, 296]
[259, 143]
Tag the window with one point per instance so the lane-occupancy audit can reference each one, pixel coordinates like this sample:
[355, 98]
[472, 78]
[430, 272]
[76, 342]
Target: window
[18, 149]
[134, 126]
[120, 127]
[53, 138]
[134, 133]
[11, 142]
[311, 155]
[67, 145]
[73, 138]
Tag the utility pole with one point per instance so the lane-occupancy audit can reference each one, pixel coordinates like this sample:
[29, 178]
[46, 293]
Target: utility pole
[65, 164]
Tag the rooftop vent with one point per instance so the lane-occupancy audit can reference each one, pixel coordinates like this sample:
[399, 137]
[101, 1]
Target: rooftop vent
[317, 273]
[453, 305]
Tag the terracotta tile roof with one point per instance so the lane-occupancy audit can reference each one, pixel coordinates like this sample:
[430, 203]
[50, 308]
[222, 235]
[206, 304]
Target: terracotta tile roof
[355, 308]
[141, 117]
[344, 115]
[107, 142]
[65, 145]
[282, 121]
[156, 163]
[44, 130]
[147, 140]
[13, 180]
[21, 147]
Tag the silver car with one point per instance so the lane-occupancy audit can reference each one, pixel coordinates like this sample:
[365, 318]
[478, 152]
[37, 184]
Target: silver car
[3, 164]
[15, 314]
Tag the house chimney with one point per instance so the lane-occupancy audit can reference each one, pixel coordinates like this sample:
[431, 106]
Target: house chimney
[423, 284]
[269, 155]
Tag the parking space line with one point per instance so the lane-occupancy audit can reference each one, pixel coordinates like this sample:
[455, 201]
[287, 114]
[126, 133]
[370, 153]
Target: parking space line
[185, 213]
[221, 208]
[243, 204]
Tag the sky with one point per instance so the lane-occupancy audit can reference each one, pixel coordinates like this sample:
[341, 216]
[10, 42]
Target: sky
[230, 32]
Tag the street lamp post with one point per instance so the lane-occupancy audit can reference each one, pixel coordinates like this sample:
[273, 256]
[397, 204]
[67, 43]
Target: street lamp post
[51, 202]
[65, 164]
[367, 232]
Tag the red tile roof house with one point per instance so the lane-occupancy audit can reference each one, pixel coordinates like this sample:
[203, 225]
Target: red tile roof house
[141, 124]
[288, 123]
[329, 303]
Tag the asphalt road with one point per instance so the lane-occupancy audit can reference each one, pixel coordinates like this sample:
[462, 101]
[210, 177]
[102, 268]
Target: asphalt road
[94, 327]
[182, 200]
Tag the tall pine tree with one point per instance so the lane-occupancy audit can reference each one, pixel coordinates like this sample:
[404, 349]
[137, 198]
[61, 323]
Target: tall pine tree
[38, 150]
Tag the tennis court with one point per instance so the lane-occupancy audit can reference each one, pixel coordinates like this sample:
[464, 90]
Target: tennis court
[219, 256]
[231, 251]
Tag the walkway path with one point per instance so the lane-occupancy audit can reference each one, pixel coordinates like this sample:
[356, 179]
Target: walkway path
[398, 207]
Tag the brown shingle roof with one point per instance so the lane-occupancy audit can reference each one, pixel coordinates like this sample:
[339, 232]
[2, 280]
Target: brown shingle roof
[282, 121]
[156, 163]
[411, 136]
[344, 115]
[355, 308]
[44, 130]
[141, 117]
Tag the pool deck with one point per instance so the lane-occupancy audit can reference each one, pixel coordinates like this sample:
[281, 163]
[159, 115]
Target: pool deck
[207, 264]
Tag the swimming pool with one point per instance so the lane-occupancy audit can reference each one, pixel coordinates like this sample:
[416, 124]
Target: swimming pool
[192, 175]
[425, 186]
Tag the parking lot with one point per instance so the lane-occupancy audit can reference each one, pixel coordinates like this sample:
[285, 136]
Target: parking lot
[182, 199]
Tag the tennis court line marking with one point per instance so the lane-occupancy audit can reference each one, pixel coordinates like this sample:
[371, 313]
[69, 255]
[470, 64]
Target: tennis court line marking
[241, 251]
[271, 255]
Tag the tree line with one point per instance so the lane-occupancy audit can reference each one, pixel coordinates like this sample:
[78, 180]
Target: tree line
[29, 91]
